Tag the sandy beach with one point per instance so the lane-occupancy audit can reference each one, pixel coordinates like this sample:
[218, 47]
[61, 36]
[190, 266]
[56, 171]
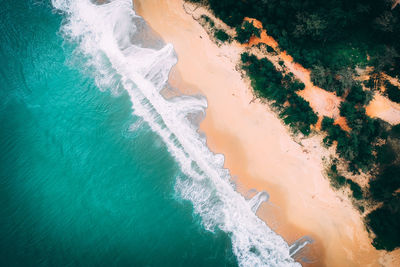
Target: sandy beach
[259, 150]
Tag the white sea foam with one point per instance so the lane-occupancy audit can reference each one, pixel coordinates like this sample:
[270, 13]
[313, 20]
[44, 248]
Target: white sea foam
[105, 34]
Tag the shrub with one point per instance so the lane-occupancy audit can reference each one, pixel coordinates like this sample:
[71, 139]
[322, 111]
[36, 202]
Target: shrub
[208, 20]
[386, 154]
[357, 192]
[385, 223]
[271, 50]
[395, 131]
[221, 35]
[341, 180]
[393, 92]
[246, 31]
[386, 183]
[358, 96]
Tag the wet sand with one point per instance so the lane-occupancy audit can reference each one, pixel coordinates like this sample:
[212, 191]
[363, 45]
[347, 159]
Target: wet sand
[259, 150]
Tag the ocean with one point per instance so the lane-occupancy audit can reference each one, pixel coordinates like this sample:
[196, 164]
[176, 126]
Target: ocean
[98, 167]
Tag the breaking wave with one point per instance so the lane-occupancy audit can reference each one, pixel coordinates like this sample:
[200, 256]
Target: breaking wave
[108, 35]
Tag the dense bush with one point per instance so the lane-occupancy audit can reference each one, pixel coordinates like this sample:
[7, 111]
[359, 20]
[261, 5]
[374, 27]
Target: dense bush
[358, 96]
[334, 132]
[386, 183]
[245, 31]
[395, 131]
[385, 223]
[386, 154]
[271, 84]
[221, 35]
[356, 189]
[332, 38]
[299, 114]
[358, 145]
[339, 181]
[335, 36]
[384, 188]
[393, 92]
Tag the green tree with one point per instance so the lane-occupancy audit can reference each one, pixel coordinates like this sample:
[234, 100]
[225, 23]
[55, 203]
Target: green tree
[246, 31]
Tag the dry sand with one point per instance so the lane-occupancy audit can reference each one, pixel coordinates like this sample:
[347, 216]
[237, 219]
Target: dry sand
[258, 149]
[383, 108]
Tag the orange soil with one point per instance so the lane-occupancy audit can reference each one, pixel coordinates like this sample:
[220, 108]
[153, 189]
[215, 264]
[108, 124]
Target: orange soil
[264, 37]
[258, 149]
[325, 103]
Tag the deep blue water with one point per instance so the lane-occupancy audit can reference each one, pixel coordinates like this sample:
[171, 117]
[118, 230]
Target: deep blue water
[77, 187]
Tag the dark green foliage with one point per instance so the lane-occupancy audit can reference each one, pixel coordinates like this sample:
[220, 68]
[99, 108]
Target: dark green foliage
[299, 114]
[341, 180]
[386, 154]
[297, 86]
[246, 31]
[271, 84]
[395, 131]
[393, 92]
[357, 192]
[334, 35]
[348, 110]
[334, 81]
[221, 35]
[361, 208]
[358, 96]
[338, 181]
[370, 83]
[334, 168]
[332, 38]
[335, 132]
[385, 222]
[266, 80]
[208, 20]
[358, 145]
[245, 58]
[270, 49]
[327, 123]
[386, 183]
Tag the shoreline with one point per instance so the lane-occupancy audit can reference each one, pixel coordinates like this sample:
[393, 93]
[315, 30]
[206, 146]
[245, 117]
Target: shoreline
[254, 142]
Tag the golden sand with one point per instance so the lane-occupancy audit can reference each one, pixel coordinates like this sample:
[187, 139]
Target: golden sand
[258, 149]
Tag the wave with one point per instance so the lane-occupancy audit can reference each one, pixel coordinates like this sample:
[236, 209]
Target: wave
[107, 35]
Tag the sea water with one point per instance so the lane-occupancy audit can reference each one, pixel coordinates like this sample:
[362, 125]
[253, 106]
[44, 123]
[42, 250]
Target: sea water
[97, 167]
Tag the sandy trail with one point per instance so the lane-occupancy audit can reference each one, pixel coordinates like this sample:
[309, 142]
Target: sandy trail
[326, 103]
[258, 149]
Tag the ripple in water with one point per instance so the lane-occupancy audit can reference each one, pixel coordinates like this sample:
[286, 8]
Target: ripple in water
[110, 35]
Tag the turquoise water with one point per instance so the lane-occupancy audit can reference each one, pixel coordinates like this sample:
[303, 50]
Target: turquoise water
[78, 185]
[98, 168]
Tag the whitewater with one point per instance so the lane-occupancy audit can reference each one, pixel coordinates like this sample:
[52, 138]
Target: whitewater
[107, 37]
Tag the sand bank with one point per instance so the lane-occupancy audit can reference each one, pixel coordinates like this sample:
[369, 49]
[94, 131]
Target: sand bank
[258, 149]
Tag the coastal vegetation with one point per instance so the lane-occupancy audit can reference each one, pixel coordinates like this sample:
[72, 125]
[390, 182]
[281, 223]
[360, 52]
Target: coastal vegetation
[221, 35]
[335, 40]
[213, 31]
[281, 90]
[245, 31]
[392, 92]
